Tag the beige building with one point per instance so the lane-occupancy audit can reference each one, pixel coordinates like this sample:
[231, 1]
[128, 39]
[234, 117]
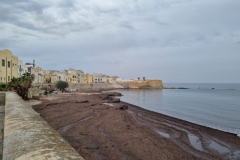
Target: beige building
[114, 79]
[89, 78]
[104, 79]
[47, 76]
[8, 67]
[109, 80]
[72, 75]
[84, 78]
[39, 75]
[54, 78]
[80, 75]
[69, 77]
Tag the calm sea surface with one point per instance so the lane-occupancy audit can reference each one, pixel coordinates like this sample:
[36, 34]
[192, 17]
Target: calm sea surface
[217, 108]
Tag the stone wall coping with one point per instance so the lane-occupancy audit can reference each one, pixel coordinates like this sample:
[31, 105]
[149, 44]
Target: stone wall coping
[28, 136]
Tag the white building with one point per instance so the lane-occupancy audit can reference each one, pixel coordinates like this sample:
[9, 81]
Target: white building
[21, 68]
[123, 80]
[61, 75]
[97, 78]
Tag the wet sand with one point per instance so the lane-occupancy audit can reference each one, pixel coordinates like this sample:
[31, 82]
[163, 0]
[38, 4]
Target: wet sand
[98, 129]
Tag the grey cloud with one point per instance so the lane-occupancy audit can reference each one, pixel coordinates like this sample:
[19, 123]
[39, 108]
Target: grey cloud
[159, 39]
[6, 43]
[66, 4]
[127, 26]
[161, 23]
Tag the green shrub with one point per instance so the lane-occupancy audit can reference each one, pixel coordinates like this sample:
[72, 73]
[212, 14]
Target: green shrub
[62, 85]
[21, 85]
[3, 87]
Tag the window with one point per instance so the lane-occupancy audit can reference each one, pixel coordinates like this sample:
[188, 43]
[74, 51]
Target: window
[1, 78]
[9, 64]
[8, 78]
[3, 62]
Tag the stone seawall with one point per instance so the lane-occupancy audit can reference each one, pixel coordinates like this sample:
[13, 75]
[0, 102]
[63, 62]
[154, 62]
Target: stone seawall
[94, 86]
[38, 89]
[119, 85]
[28, 136]
[142, 84]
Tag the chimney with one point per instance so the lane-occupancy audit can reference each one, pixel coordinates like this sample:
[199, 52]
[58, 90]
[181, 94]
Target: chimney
[33, 63]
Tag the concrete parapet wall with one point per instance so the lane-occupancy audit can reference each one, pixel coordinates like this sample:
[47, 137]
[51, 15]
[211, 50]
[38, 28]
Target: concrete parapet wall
[2, 98]
[28, 136]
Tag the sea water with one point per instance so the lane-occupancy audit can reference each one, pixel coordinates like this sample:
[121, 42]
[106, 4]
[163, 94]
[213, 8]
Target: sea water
[217, 108]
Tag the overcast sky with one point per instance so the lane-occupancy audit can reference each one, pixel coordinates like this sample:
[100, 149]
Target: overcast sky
[172, 40]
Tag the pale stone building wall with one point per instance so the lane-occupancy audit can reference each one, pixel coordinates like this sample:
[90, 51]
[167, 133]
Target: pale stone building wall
[47, 76]
[80, 75]
[109, 80]
[39, 75]
[104, 79]
[61, 76]
[54, 78]
[84, 78]
[68, 77]
[73, 74]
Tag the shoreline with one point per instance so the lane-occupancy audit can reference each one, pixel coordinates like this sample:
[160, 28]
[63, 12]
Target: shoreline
[181, 119]
[99, 131]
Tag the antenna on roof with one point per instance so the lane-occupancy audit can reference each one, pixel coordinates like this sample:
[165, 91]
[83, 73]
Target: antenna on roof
[33, 63]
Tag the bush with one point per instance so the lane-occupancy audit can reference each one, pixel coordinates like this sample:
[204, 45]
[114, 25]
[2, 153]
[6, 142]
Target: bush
[62, 85]
[21, 85]
[3, 87]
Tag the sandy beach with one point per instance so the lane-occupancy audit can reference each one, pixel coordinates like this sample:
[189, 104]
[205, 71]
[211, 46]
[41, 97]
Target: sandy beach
[98, 126]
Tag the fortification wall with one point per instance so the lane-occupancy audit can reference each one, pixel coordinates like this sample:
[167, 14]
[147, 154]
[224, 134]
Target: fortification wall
[28, 136]
[142, 84]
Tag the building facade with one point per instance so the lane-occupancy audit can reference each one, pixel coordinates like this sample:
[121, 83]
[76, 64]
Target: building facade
[8, 67]
[89, 78]
[39, 75]
[80, 76]
[47, 76]
[97, 78]
[104, 79]
[21, 68]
